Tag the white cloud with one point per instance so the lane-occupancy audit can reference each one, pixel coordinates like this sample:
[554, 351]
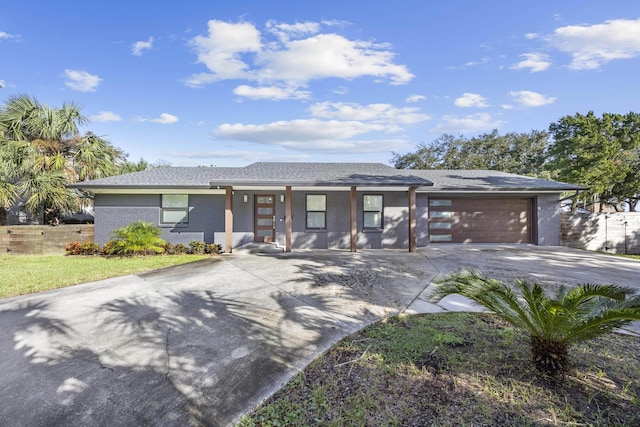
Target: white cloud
[287, 31]
[270, 92]
[105, 116]
[299, 54]
[592, 46]
[312, 135]
[468, 124]
[138, 47]
[531, 36]
[415, 98]
[377, 113]
[5, 36]
[480, 62]
[470, 100]
[164, 119]
[81, 80]
[527, 98]
[2, 84]
[535, 62]
[283, 132]
[221, 51]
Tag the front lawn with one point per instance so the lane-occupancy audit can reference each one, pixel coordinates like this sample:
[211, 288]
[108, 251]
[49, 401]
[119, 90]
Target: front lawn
[457, 369]
[25, 274]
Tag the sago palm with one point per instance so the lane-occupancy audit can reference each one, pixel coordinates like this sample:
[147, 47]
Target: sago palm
[554, 324]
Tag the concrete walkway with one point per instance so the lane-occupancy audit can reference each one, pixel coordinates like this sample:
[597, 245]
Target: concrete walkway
[200, 344]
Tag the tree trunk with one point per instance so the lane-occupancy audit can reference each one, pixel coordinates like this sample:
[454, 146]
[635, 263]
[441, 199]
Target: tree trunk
[550, 357]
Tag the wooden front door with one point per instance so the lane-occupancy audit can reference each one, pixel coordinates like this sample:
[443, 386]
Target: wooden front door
[264, 218]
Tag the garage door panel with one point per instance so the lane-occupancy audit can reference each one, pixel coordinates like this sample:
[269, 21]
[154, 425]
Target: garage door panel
[474, 220]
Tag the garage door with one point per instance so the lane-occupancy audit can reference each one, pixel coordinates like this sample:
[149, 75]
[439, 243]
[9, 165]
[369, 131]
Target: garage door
[480, 220]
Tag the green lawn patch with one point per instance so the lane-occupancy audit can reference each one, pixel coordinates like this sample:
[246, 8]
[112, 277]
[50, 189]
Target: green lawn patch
[452, 369]
[25, 274]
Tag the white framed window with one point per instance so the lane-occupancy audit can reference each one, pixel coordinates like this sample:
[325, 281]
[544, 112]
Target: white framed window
[372, 209]
[316, 208]
[174, 209]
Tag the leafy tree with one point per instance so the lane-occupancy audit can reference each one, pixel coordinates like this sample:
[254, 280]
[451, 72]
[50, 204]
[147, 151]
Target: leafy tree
[128, 166]
[42, 151]
[602, 153]
[554, 324]
[519, 153]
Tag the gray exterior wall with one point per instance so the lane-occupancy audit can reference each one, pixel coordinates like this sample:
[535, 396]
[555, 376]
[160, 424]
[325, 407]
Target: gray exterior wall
[547, 212]
[206, 219]
[206, 215]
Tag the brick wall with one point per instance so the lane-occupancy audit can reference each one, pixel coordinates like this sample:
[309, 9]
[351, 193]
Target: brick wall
[42, 239]
[605, 232]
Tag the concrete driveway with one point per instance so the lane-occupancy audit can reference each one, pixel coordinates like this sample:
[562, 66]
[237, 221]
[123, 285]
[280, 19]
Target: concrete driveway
[200, 344]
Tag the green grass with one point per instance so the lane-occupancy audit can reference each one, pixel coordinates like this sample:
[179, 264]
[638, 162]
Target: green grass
[25, 274]
[456, 369]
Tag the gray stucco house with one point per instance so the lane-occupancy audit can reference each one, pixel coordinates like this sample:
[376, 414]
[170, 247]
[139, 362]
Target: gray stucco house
[346, 206]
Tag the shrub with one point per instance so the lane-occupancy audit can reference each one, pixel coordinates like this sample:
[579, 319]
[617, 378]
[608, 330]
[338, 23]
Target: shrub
[213, 248]
[137, 238]
[73, 248]
[86, 248]
[112, 247]
[553, 324]
[169, 248]
[180, 249]
[196, 247]
[90, 248]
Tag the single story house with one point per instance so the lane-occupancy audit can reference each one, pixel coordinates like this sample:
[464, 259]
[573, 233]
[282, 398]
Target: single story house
[331, 205]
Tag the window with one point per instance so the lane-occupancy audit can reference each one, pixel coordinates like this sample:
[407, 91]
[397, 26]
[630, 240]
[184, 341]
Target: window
[439, 202]
[317, 211]
[372, 210]
[175, 209]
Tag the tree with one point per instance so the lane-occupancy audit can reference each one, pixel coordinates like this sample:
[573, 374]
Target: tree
[519, 153]
[554, 324]
[602, 153]
[42, 151]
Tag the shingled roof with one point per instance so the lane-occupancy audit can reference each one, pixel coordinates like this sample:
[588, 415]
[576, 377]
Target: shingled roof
[489, 180]
[265, 174]
[262, 174]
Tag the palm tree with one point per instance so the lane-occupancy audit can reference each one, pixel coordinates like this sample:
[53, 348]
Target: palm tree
[45, 151]
[554, 324]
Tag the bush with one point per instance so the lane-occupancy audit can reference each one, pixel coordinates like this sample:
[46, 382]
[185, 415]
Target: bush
[196, 247]
[554, 323]
[137, 238]
[73, 248]
[169, 248]
[86, 248]
[179, 249]
[90, 248]
[213, 248]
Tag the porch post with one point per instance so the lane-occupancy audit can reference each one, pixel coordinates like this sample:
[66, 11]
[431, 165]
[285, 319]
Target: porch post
[228, 220]
[353, 207]
[412, 219]
[287, 217]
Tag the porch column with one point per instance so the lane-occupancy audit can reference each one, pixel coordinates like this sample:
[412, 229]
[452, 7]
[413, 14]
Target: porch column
[353, 207]
[228, 220]
[412, 219]
[287, 217]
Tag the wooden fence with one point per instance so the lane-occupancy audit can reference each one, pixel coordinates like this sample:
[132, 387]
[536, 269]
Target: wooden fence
[42, 239]
[617, 232]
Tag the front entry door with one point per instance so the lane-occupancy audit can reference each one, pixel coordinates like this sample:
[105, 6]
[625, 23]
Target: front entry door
[265, 218]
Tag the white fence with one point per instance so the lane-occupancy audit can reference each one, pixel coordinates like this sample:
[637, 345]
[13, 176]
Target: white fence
[605, 232]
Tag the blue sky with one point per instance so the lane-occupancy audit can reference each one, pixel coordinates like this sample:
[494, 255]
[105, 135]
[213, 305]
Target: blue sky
[229, 83]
